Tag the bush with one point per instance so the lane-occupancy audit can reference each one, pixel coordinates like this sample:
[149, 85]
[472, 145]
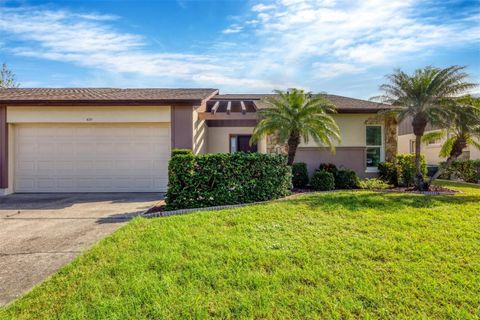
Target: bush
[388, 172]
[467, 170]
[328, 167]
[373, 184]
[406, 169]
[299, 175]
[322, 181]
[222, 179]
[346, 179]
[177, 152]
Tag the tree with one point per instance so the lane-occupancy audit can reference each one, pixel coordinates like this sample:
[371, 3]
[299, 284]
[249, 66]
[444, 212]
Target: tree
[423, 97]
[461, 129]
[294, 115]
[7, 78]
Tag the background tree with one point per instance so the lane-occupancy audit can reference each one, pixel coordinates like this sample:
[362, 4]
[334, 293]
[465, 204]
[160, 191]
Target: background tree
[294, 115]
[423, 96]
[462, 129]
[7, 78]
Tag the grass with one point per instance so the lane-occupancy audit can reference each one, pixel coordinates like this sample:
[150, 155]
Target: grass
[327, 255]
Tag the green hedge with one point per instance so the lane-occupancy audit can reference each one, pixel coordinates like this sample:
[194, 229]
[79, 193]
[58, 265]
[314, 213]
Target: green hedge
[322, 181]
[467, 170]
[402, 172]
[346, 179]
[223, 179]
[299, 175]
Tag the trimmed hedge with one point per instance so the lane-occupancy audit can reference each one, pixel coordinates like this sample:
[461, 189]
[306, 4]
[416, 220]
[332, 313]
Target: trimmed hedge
[223, 179]
[346, 179]
[299, 175]
[322, 181]
[467, 170]
[177, 152]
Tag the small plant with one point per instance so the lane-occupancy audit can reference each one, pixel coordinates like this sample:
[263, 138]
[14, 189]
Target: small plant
[388, 172]
[328, 167]
[299, 175]
[373, 184]
[346, 179]
[322, 181]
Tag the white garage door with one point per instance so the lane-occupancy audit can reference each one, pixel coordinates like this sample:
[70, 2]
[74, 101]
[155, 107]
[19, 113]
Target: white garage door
[91, 157]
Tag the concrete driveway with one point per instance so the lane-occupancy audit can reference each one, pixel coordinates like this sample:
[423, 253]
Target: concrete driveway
[39, 233]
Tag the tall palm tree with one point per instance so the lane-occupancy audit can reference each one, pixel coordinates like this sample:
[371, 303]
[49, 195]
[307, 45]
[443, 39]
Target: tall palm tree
[422, 97]
[294, 115]
[461, 129]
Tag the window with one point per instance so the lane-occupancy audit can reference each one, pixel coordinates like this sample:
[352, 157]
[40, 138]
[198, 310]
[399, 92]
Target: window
[374, 144]
[241, 143]
[412, 146]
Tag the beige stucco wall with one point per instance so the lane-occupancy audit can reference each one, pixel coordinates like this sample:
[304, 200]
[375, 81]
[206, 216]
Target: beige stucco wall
[431, 152]
[101, 114]
[218, 139]
[352, 130]
[200, 132]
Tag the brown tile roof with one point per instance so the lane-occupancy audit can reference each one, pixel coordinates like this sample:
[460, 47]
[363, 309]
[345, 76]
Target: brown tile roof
[102, 94]
[343, 104]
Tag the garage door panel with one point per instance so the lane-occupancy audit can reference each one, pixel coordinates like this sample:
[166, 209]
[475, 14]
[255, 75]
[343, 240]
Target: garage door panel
[91, 158]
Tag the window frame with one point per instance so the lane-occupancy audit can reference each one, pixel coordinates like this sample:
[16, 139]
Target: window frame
[381, 147]
[234, 135]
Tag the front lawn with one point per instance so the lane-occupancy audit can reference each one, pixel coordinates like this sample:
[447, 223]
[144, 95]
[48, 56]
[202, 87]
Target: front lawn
[341, 255]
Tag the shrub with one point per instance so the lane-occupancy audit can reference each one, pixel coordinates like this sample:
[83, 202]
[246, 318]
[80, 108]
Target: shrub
[406, 169]
[176, 152]
[373, 184]
[322, 181]
[467, 170]
[346, 179]
[222, 179]
[388, 172]
[299, 175]
[329, 167]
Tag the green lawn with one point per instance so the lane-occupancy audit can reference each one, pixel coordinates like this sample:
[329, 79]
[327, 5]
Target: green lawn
[326, 255]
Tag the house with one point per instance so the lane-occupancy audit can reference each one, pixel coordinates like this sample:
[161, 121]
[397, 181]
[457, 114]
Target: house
[431, 151]
[119, 140]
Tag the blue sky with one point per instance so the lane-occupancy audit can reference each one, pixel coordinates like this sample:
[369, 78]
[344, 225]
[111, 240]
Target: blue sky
[341, 47]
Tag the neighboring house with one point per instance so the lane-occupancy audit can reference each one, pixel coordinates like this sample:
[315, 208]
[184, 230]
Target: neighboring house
[431, 151]
[119, 140]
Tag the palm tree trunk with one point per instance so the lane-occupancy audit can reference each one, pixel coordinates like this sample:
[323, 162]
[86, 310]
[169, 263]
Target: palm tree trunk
[457, 150]
[419, 182]
[419, 124]
[293, 142]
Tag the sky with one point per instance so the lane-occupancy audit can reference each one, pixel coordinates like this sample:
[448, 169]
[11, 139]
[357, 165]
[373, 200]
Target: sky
[336, 46]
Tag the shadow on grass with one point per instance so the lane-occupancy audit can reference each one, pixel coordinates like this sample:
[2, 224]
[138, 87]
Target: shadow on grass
[355, 201]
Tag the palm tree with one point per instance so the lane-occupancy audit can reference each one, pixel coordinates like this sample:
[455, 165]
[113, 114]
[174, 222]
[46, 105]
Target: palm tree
[461, 129]
[295, 114]
[422, 97]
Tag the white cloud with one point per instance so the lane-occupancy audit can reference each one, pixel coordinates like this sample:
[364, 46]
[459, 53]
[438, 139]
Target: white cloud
[234, 28]
[331, 70]
[262, 7]
[348, 36]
